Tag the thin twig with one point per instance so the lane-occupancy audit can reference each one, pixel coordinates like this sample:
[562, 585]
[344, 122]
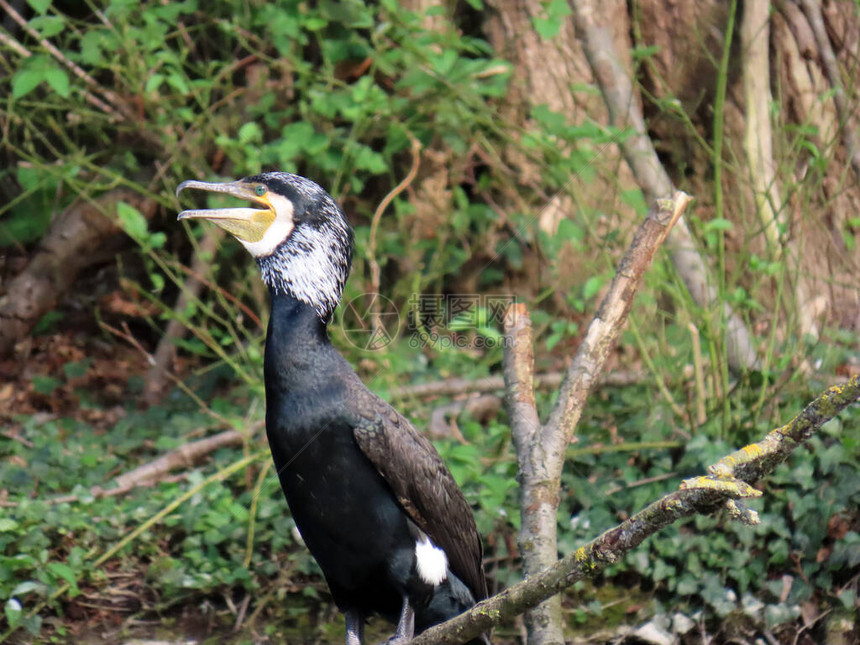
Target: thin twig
[14, 44]
[460, 386]
[374, 226]
[16, 437]
[166, 350]
[114, 107]
[126, 335]
[229, 296]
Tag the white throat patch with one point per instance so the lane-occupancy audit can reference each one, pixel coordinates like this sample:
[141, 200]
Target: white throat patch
[431, 562]
[277, 232]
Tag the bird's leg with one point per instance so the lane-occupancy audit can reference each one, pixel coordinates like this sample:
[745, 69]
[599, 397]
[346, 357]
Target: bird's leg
[405, 626]
[354, 627]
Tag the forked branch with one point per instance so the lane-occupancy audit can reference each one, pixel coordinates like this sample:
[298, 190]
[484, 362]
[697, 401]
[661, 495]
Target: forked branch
[697, 496]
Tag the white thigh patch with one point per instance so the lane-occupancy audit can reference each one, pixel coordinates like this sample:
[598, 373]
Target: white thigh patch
[431, 562]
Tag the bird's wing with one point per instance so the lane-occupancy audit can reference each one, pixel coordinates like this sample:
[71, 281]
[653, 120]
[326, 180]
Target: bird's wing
[424, 487]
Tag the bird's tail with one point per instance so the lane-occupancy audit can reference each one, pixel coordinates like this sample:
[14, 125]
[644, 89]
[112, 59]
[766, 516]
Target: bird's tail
[450, 599]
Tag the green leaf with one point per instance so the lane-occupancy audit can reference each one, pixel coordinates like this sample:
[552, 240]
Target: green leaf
[48, 26]
[58, 81]
[132, 221]
[34, 71]
[153, 83]
[367, 159]
[77, 369]
[177, 82]
[570, 230]
[7, 525]
[27, 586]
[13, 612]
[65, 572]
[40, 6]
[250, 133]
[93, 44]
[592, 286]
[45, 384]
[547, 28]
[25, 81]
[718, 224]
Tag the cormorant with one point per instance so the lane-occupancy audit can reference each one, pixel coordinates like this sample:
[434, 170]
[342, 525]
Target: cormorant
[371, 497]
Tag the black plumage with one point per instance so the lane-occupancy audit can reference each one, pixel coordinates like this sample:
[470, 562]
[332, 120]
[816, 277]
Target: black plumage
[373, 500]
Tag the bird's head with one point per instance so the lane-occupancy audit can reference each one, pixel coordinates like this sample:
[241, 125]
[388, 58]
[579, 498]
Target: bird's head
[294, 229]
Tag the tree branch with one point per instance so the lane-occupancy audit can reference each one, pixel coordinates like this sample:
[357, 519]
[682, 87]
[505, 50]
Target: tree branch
[75, 240]
[831, 69]
[541, 449]
[757, 460]
[624, 112]
[606, 327]
[459, 386]
[538, 489]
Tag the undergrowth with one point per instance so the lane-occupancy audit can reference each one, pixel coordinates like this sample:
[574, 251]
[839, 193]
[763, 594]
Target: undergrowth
[339, 92]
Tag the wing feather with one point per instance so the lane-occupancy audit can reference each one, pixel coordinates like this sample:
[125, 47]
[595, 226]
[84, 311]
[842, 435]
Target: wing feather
[424, 487]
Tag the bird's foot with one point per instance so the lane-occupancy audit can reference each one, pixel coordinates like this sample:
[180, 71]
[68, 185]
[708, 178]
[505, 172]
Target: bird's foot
[398, 639]
[405, 626]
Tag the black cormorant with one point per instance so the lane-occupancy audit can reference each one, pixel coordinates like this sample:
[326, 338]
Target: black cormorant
[371, 497]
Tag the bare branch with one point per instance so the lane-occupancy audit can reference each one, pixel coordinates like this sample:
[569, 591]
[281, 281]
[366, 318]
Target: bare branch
[831, 69]
[460, 386]
[185, 456]
[149, 474]
[606, 327]
[624, 112]
[692, 499]
[76, 239]
[519, 376]
[541, 449]
[538, 487]
[752, 462]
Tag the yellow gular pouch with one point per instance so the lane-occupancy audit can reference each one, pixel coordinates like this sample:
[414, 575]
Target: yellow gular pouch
[248, 225]
[250, 229]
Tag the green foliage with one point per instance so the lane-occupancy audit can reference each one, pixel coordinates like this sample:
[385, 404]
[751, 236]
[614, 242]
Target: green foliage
[338, 92]
[713, 561]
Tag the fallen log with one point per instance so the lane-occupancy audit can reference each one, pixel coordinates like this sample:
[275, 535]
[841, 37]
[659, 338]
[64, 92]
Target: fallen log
[73, 243]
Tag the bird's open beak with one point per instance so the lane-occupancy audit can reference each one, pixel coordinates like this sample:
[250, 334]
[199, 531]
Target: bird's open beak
[247, 224]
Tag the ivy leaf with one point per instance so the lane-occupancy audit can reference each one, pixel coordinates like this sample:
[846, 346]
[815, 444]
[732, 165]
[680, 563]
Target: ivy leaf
[547, 28]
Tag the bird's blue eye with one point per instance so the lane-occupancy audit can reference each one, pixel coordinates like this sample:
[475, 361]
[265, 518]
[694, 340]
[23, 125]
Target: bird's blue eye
[261, 190]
